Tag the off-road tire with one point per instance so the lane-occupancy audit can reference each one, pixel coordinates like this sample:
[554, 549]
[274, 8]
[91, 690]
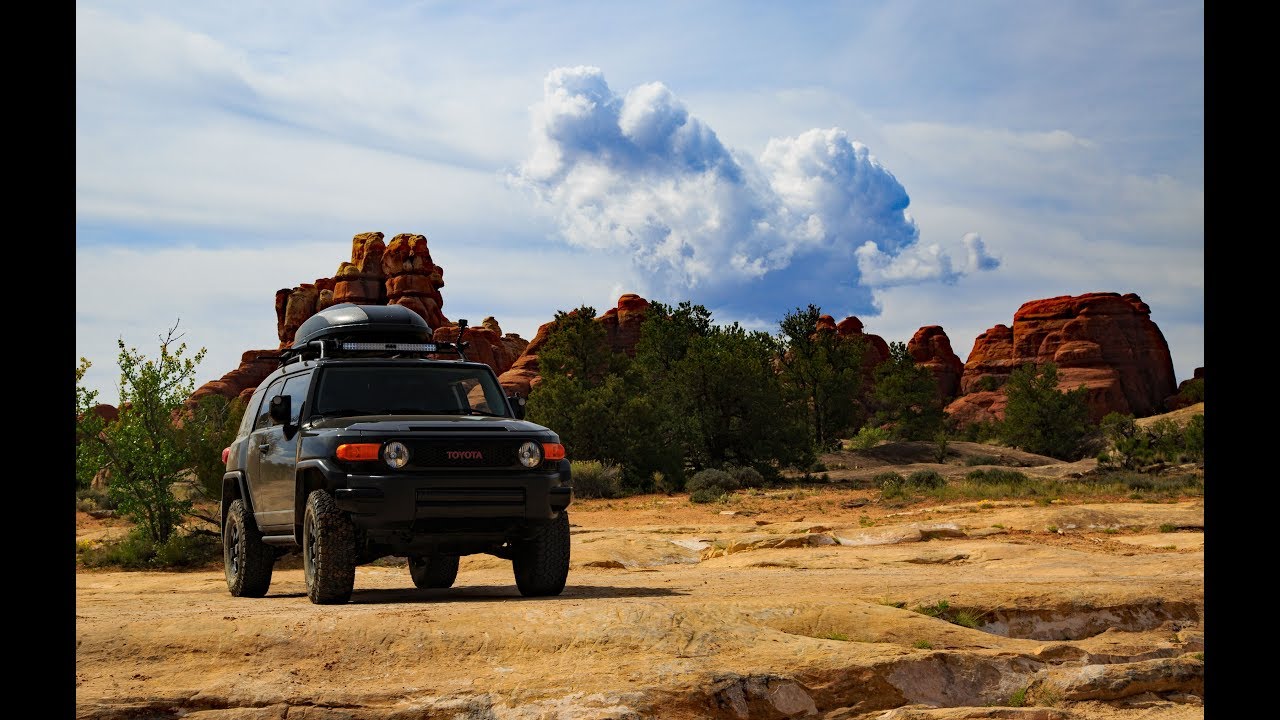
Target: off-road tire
[246, 560]
[328, 551]
[541, 564]
[433, 571]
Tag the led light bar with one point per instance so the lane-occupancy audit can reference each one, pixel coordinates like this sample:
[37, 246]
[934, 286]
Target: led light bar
[406, 347]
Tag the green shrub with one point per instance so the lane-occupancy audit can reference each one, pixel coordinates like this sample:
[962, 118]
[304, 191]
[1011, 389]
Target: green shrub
[937, 609]
[887, 478]
[981, 432]
[981, 460]
[88, 500]
[940, 440]
[926, 480]
[1193, 438]
[868, 437]
[1193, 391]
[1162, 483]
[710, 485]
[1041, 419]
[747, 477]
[184, 550]
[1018, 698]
[1166, 439]
[137, 551]
[996, 476]
[594, 479]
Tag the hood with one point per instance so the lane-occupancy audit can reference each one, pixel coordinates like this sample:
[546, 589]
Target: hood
[430, 423]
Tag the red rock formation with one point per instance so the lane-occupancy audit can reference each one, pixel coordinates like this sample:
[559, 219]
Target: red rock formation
[485, 344]
[294, 306]
[1177, 401]
[931, 348]
[978, 407]
[852, 326]
[109, 413]
[622, 323]
[1103, 341]
[255, 366]
[361, 280]
[377, 274]
[622, 327]
[523, 375]
[412, 279]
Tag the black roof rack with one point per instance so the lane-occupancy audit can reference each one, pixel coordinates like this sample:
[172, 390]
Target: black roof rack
[350, 330]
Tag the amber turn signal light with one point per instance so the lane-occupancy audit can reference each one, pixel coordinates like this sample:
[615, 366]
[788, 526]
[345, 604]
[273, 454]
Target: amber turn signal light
[552, 451]
[359, 451]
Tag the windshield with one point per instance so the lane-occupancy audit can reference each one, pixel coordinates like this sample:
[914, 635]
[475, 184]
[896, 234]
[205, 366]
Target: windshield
[417, 390]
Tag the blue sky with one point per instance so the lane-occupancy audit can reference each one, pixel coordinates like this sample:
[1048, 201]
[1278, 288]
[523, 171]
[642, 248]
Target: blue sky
[911, 163]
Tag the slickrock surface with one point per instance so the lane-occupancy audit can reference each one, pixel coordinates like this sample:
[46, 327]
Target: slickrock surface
[768, 607]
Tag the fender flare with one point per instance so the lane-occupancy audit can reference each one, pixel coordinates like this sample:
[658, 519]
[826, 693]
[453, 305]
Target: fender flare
[234, 479]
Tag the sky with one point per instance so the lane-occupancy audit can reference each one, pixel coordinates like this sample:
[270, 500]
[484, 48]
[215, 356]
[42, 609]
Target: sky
[908, 162]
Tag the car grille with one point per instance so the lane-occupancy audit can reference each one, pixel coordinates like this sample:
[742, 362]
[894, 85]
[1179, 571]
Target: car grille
[460, 453]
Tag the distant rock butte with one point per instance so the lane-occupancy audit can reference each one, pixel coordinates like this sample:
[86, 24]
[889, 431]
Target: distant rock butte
[931, 348]
[397, 273]
[852, 327]
[1103, 341]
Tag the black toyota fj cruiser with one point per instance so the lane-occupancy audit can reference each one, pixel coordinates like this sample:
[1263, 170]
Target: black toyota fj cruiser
[364, 444]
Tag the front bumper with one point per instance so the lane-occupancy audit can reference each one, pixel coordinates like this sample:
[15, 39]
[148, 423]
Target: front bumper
[399, 500]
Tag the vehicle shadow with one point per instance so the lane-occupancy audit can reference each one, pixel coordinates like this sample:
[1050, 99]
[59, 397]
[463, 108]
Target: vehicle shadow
[482, 593]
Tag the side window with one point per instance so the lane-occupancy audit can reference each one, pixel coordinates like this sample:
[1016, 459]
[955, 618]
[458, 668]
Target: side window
[296, 388]
[264, 410]
[246, 422]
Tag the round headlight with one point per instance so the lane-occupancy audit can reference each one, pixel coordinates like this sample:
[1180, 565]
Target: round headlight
[396, 454]
[530, 454]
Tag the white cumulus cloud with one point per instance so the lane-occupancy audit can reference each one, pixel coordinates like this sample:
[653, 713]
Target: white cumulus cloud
[637, 173]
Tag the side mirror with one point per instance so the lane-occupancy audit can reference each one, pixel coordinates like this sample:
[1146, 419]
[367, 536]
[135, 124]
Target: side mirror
[280, 406]
[517, 405]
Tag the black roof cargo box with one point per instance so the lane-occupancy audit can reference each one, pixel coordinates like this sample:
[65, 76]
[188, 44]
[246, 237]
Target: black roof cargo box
[348, 321]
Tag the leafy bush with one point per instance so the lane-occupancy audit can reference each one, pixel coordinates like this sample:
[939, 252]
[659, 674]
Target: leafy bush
[868, 437]
[142, 448]
[1042, 419]
[981, 460]
[710, 485]
[988, 383]
[594, 479]
[981, 432]
[1130, 446]
[1193, 438]
[747, 477]
[940, 449]
[138, 551]
[88, 500]
[1192, 392]
[887, 478]
[1162, 483]
[996, 476]
[925, 480]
